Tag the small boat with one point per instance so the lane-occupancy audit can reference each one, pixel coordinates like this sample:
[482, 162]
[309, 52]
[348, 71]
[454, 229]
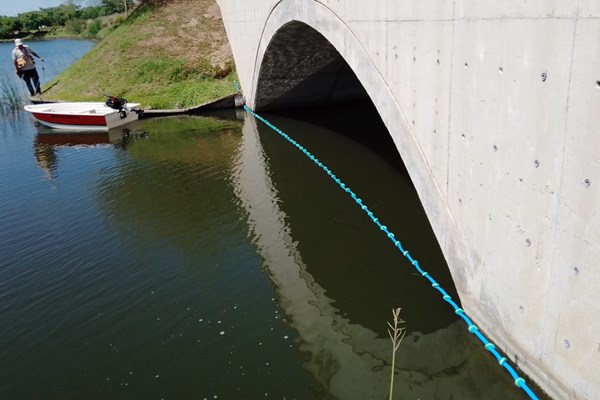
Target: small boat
[87, 116]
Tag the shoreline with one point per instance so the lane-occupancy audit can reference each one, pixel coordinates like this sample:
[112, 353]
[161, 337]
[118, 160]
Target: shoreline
[231, 101]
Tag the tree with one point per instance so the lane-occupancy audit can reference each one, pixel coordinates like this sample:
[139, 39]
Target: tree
[74, 26]
[117, 6]
[8, 25]
[69, 14]
[91, 12]
[61, 14]
[31, 21]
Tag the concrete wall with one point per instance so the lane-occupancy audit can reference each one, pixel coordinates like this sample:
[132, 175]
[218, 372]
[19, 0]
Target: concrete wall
[495, 110]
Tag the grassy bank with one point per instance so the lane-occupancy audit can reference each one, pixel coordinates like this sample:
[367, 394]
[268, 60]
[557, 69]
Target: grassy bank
[167, 54]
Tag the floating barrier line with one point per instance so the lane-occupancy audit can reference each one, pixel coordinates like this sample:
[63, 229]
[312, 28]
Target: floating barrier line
[489, 346]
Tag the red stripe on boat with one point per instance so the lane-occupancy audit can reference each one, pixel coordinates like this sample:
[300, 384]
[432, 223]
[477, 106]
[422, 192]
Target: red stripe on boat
[69, 119]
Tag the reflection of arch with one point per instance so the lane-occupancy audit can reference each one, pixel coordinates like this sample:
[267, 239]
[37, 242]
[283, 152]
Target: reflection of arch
[331, 64]
[348, 359]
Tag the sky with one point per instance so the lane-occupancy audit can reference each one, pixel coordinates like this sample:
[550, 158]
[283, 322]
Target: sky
[13, 7]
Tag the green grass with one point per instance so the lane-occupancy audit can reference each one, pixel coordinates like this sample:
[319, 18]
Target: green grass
[157, 84]
[10, 94]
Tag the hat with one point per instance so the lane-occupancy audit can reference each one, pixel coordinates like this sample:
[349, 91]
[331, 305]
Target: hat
[18, 42]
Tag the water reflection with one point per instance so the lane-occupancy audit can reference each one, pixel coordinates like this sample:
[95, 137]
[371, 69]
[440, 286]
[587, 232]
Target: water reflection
[348, 358]
[45, 157]
[191, 158]
[48, 140]
[120, 136]
[204, 259]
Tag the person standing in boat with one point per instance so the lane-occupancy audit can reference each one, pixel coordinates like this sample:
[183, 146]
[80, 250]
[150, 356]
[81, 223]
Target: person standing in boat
[22, 56]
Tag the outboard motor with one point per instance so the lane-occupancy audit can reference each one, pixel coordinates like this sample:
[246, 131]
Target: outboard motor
[116, 103]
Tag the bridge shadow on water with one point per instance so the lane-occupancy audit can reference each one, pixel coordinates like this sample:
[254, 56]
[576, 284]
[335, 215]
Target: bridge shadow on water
[354, 143]
[360, 273]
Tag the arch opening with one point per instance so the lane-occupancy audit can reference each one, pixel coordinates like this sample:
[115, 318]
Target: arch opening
[302, 68]
[304, 77]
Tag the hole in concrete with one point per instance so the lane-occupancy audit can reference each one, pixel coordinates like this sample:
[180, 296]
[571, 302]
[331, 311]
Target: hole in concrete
[597, 84]
[544, 76]
[467, 67]
[587, 183]
[536, 163]
[500, 70]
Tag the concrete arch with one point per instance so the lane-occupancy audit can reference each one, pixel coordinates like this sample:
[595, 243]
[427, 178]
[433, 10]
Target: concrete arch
[310, 39]
[493, 108]
[291, 15]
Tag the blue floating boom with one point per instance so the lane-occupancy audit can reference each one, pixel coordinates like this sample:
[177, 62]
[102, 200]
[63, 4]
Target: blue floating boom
[490, 347]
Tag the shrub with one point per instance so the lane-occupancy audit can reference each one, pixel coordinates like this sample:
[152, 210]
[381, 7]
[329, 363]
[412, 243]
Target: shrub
[94, 27]
[74, 26]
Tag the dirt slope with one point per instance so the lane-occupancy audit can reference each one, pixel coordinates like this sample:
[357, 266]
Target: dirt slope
[167, 54]
[191, 30]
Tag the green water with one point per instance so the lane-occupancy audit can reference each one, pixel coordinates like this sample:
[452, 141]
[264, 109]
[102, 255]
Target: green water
[205, 257]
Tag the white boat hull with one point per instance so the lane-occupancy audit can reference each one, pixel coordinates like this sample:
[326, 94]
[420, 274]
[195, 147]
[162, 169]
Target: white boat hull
[83, 116]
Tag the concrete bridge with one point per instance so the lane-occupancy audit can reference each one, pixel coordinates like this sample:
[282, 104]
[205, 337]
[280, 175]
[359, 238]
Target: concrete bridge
[495, 111]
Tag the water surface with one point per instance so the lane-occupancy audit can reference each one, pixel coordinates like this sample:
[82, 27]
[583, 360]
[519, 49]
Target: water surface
[205, 257]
